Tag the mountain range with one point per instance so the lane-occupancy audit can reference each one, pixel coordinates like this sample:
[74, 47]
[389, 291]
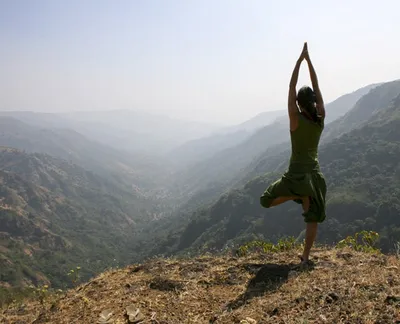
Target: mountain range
[81, 189]
[128, 130]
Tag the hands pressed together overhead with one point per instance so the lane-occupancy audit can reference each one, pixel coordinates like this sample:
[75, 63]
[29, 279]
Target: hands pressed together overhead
[304, 53]
[314, 80]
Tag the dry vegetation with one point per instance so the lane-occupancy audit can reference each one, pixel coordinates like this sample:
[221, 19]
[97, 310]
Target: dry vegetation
[343, 287]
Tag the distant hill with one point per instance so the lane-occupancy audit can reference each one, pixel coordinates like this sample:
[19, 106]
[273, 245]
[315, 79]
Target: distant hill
[133, 131]
[139, 131]
[204, 148]
[377, 98]
[226, 164]
[56, 216]
[120, 166]
[345, 103]
[258, 121]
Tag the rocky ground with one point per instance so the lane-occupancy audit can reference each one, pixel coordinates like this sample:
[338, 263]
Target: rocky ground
[344, 286]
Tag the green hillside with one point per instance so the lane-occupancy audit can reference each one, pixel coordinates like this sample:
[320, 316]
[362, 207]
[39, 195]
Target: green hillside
[56, 215]
[377, 98]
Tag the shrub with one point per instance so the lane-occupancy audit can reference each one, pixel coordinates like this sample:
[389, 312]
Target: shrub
[364, 241]
[284, 244]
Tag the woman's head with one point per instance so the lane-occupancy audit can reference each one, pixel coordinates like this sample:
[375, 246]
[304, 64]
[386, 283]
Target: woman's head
[306, 101]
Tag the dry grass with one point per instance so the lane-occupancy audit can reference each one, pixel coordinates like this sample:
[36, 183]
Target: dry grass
[344, 287]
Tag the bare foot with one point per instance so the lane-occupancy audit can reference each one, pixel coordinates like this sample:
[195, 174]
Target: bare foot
[304, 264]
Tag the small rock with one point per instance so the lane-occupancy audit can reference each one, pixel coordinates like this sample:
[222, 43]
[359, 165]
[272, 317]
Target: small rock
[248, 320]
[134, 315]
[105, 317]
[323, 318]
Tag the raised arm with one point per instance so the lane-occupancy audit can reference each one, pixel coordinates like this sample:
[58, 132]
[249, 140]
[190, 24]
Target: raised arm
[292, 98]
[315, 85]
[292, 105]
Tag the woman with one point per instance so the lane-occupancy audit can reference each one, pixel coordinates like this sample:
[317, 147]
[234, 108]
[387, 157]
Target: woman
[303, 182]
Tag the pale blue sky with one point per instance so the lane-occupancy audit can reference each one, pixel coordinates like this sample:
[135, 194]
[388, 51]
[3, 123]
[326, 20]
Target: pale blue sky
[219, 60]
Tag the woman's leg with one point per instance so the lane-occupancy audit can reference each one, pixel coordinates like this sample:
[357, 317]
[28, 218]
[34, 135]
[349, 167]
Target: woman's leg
[305, 204]
[281, 200]
[311, 232]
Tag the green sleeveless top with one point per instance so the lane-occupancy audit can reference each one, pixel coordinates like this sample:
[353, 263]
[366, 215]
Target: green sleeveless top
[305, 140]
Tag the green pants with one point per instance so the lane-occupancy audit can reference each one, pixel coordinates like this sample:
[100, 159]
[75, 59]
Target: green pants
[295, 183]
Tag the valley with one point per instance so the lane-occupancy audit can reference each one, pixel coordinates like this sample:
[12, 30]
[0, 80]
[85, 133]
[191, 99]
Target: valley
[76, 192]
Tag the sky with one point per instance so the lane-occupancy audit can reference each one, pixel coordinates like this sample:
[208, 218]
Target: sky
[208, 60]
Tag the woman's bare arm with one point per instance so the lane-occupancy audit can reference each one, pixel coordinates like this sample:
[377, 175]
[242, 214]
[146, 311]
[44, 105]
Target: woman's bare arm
[292, 105]
[292, 98]
[315, 85]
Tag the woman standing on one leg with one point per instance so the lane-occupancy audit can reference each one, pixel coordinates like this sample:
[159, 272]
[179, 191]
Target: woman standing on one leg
[303, 182]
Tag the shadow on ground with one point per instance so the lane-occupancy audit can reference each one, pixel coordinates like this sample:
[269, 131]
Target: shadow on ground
[268, 277]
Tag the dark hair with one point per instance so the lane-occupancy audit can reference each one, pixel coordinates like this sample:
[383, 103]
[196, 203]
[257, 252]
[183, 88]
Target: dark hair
[306, 100]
